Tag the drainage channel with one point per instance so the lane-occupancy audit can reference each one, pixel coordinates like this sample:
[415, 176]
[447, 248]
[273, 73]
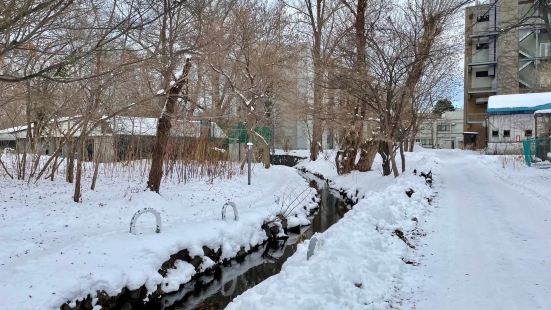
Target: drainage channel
[217, 290]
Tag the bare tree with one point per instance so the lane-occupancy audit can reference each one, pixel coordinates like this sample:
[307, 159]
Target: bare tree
[258, 52]
[174, 38]
[396, 70]
[318, 16]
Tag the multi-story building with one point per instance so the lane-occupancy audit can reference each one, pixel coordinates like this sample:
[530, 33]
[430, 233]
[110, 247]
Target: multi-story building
[507, 51]
[444, 132]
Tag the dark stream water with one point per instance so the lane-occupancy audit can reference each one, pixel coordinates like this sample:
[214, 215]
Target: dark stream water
[217, 290]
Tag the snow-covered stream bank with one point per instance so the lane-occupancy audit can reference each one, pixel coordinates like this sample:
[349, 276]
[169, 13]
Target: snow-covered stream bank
[216, 290]
[358, 262]
[55, 251]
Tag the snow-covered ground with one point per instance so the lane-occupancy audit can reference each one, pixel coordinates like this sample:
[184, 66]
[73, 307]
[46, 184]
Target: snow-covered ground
[357, 184]
[488, 244]
[54, 250]
[359, 261]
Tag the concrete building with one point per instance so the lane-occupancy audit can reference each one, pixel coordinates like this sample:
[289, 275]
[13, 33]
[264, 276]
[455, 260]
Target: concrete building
[445, 132]
[292, 122]
[514, 118]
[507, 51]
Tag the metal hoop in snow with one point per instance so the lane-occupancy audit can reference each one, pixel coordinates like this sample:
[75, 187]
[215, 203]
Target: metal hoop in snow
[234, 207]
[311, 247]
[142, 211]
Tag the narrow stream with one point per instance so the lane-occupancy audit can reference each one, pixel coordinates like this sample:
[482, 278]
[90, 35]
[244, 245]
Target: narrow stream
[227, 282]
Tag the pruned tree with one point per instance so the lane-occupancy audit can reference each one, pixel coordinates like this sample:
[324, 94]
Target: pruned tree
[257, 52]
[317, 20]
[173, 39]
[395, 72]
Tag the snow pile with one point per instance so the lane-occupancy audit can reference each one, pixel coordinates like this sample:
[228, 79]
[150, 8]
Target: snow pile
[360, 260]
[182, 273]
[54, 250]
[357, 184]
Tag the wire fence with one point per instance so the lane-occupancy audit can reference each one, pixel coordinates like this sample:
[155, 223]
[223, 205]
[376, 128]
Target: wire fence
[537, 152]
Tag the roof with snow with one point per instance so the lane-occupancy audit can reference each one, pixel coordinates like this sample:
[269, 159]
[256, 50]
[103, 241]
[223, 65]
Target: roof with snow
[519, 103]
[147, 126]
[10, 134]
[546, 111]
[125, 125]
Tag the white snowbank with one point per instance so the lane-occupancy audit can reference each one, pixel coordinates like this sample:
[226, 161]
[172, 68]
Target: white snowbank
[54, 250]
[358, 262]
[357, 184]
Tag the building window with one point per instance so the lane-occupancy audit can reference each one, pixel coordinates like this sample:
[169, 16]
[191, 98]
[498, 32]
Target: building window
[528, 133]
[506, 133]
[482, 74]
[495, 133]
[443, 127]
[482, 46]
[483, 18]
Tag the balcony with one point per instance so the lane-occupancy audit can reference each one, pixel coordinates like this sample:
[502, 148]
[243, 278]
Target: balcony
[490, 32]
[476, 118]
[482, 90]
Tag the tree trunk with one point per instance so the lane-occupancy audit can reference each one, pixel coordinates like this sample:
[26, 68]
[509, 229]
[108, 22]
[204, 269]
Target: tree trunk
[402, 158]
[318, 73]
[412, 141]
[385, 155]
[54, 167]
[346, 156]
[70, 162]
[96, 170]
[78, 178]
[393, 162]
[367, 150]
[163, 130]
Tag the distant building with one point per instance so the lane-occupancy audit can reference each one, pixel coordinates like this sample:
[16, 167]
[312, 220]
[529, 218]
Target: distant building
[513, 118]
[445, 132]
[117, 138]
[507, 51]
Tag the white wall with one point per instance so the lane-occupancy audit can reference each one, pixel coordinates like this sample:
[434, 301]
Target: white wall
[516, 123]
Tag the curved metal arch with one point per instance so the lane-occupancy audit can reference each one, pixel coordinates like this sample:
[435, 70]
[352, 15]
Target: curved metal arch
[142, 211]
[234, 207]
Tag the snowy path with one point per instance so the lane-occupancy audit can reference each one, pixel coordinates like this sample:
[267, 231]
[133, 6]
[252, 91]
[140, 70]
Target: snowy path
[488, 244]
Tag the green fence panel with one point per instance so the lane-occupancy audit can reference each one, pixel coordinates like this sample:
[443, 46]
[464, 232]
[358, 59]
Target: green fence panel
[239, 133]
[537, 150]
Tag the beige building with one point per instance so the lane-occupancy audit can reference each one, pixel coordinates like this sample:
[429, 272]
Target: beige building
[445, 132]
[507, 51]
